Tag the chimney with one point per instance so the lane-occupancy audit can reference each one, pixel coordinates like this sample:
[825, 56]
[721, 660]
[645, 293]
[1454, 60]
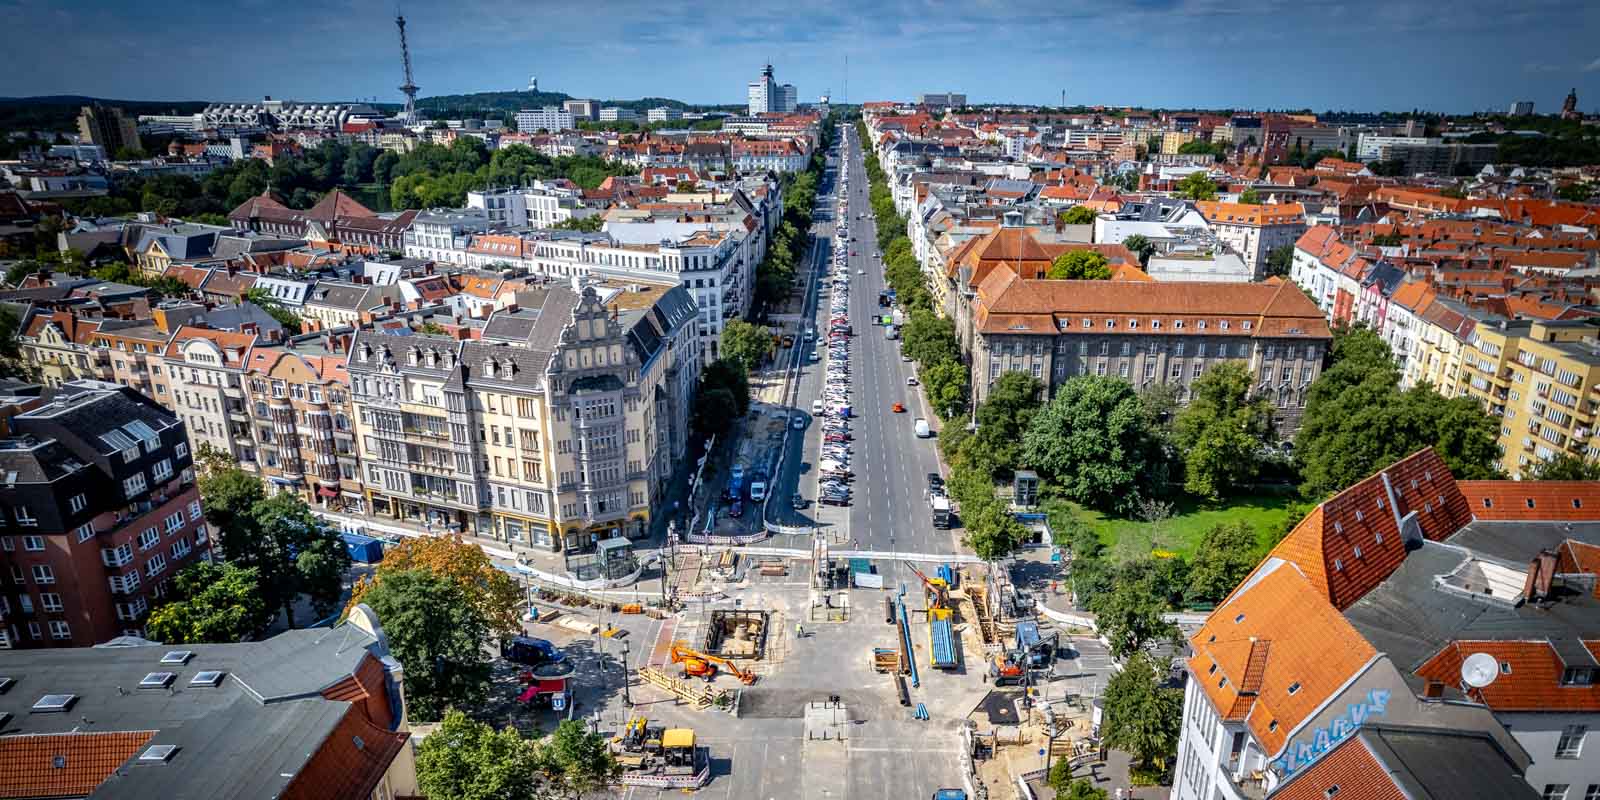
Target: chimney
[1541, 573]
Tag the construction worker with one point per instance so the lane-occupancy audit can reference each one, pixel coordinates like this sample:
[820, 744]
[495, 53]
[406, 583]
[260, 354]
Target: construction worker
[799, 631]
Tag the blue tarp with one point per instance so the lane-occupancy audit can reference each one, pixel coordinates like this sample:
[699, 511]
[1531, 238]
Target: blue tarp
[363, 549]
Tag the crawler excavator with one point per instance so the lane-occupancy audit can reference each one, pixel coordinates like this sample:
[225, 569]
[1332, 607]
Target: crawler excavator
[703, 665]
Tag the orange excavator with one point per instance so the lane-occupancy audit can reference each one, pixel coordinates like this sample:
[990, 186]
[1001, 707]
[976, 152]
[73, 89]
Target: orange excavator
[703, 665]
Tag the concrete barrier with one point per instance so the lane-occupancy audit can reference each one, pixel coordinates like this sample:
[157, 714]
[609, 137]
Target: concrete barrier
[712, 539]
[1073, 618]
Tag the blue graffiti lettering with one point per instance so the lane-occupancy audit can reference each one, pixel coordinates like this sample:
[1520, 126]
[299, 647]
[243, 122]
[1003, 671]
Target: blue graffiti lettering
[1315, 743]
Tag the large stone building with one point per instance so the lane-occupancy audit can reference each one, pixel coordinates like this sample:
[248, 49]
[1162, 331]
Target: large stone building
[1146, 333]
[336, 220]
[1539, 380]
[100, 510]
[1254, 231]
[561, 427]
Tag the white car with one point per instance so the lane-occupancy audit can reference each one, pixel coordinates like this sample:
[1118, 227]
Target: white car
[861, 272]
[911, 380]
[799, 422]
[758, 491]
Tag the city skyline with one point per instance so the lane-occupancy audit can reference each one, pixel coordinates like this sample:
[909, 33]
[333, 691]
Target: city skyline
[1261, 54]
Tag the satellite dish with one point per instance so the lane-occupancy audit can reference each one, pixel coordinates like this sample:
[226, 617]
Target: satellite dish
[1479, 670]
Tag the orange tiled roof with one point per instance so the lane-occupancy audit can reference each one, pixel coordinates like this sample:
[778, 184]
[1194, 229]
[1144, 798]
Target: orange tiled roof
[1548, 501]
[1249, 214]
[27, 761]
[1278, 632]
[350, 762]
[1533, 682]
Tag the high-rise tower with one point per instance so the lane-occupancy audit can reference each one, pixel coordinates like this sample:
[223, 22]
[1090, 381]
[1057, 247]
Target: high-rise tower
[409, 87]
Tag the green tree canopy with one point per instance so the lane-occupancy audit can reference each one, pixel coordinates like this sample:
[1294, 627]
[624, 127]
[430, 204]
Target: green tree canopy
[576, 761]
[211, 602]
[1280, 260]
[1080, 265]
[1250, 197]
[1222, 431]
[464, 759]
[1197, 186]
[945, 383]
[746, 344]
[1140, 246]
[1130, 616]
[1093, 442]
[1077, 215]
[292, 552]
[1357, 421]
[929, 338]
[439, 634]
[1226, 554]
[1004, 416]
[1142, 718]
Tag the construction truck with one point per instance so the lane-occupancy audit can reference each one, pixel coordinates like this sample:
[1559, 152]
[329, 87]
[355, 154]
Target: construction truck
[703, 665]
[660, 757]
[639, 745]
[1038, 651]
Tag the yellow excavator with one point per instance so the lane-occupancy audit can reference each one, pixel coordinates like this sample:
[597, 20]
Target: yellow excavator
[703, 665]
[938, 595]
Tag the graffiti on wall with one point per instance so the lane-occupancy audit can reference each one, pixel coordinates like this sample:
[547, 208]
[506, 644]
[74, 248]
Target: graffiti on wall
[1312, 744]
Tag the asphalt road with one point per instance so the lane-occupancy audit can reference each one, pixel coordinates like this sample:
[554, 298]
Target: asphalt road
[888, 512]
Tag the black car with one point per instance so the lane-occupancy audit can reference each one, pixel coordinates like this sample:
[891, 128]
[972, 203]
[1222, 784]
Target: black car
[829, 500]
[935, 482]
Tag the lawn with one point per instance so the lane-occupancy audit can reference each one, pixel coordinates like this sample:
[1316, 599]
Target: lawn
[1127, 538]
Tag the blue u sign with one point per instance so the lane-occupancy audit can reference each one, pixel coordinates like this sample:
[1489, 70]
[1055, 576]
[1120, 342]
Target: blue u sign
[1314, 743]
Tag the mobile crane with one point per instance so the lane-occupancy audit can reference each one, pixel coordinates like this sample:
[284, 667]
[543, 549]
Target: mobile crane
[704, 665]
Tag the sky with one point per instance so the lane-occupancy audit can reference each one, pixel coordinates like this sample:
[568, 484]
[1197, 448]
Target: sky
[1449, 55]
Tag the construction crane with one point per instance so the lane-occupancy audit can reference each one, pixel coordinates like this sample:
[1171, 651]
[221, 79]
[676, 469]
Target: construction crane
[704, 665]
[409, 88]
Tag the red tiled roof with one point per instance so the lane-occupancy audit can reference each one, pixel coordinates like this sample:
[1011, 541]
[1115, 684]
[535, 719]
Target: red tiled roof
[1549, 501]
[28, 761]
[1363, 517]
[1532, 684]
[1351, 768]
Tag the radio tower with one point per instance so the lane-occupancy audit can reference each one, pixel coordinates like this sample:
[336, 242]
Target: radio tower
[409, 116]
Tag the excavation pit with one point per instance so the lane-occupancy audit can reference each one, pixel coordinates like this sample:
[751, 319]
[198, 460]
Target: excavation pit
[738, 634]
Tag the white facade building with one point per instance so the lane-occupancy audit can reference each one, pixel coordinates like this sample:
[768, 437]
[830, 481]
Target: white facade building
[444, 234]
[763, 93]
[663, 114]
[541, 205]
[549, 118]
[615, 114]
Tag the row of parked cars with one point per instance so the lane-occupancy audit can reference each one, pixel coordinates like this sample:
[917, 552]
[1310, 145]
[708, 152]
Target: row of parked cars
[833, 408]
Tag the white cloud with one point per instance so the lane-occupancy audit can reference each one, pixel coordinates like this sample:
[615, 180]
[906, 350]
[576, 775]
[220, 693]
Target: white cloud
[1592, 66]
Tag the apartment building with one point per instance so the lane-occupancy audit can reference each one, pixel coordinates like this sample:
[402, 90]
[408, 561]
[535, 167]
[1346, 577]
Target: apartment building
[541, 205]
[1538, 378]
[549, 118]
[311, 713]
[1145, 332]
[561, 427]
[1337, 665]
[100, 510]
[199, 375]
[1254, 231]
[298, 396]
[442, 235]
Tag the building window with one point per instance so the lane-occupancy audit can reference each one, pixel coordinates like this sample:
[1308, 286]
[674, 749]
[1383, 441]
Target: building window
[78, 503]
[25, 516]
[1571, 743]
[50, 601]
[86, 531]
[43, 574]
[33, 543]
[1554, 791]
[60, 630]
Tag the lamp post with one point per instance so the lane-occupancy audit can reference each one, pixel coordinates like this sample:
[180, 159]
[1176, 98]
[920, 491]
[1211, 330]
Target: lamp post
[627, 650]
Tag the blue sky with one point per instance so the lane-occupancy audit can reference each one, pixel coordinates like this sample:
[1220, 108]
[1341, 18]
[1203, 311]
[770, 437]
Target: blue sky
[1454, 55]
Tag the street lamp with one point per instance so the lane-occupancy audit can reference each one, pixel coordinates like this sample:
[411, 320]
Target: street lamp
[627, 649]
